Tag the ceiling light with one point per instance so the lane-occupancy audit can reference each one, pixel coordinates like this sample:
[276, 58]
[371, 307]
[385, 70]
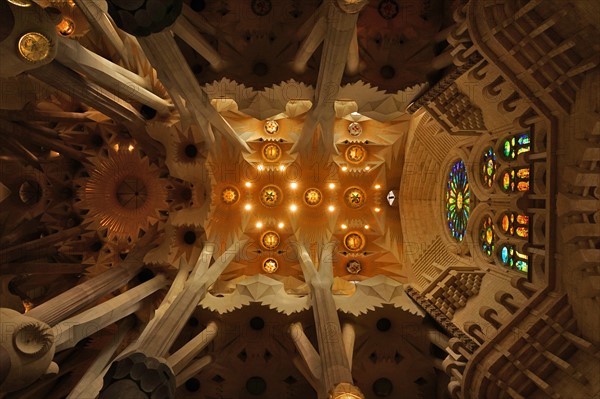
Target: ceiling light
[377, 209]
[248, 184]
[131, 147]
[366, 227]
[261, 167]
[344, 168]
[294, 185]
[367, 168]
[282, 167]
[280, 225]
[344, 227]
[259, 225]
[331, 208]
[377, 186]
[247, 207]
[332, 185]
[293, 207]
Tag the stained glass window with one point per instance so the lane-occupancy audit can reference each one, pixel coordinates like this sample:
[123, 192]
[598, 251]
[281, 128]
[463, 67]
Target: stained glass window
[515, 145]
[458, 200]
[514, 224]
[487, 236]
[513, 259]
[513, 180]
[489, 165]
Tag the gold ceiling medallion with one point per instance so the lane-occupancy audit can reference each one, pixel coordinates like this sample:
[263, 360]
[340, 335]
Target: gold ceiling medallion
[353, 266]
[355, 154]
[355, 197]
[271, 152]
[271, 127]
[355, 129]
[230, 195]
[269, 240]
[20, 3]
[354, 241]
[270, 265]
[66, 27]
[312, 197]
[270, 196]
[34, 47]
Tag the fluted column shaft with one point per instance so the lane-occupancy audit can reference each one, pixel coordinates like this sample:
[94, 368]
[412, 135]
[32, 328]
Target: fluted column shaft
[16, 251]
[78, 297]
[69, 332]
[340, 30]
[329, 335]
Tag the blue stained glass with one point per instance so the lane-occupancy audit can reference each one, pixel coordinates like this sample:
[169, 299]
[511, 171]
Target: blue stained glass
[515, 145]
[513, 259]
[458, 200]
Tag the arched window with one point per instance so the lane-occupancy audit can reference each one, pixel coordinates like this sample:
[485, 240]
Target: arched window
[514, 224]
[487, 236]
[511, 258]
[512, 180]
[489, 165]
[515, 145]
[458, 200]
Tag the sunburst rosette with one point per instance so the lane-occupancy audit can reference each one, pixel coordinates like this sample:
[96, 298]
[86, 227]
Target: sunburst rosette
[123, 194]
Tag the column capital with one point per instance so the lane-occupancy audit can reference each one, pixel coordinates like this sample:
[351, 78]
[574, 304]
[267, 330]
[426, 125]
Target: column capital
[139, 376]
[26, 350]
[351, 6]
[345, 390]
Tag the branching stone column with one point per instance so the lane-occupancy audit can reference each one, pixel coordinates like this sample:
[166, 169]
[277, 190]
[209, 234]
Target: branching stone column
[337, 377]
[341, 17]
[89, 385]
[309, 363]
[118, 80]
[66, 80]
[182, 362]
[179, 80]
[71, 331]
[78, 297]
[39, 247]
[137, 371]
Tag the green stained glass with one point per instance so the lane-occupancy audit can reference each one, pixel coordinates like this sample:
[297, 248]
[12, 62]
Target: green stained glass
[515, 145]
[489, 165]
